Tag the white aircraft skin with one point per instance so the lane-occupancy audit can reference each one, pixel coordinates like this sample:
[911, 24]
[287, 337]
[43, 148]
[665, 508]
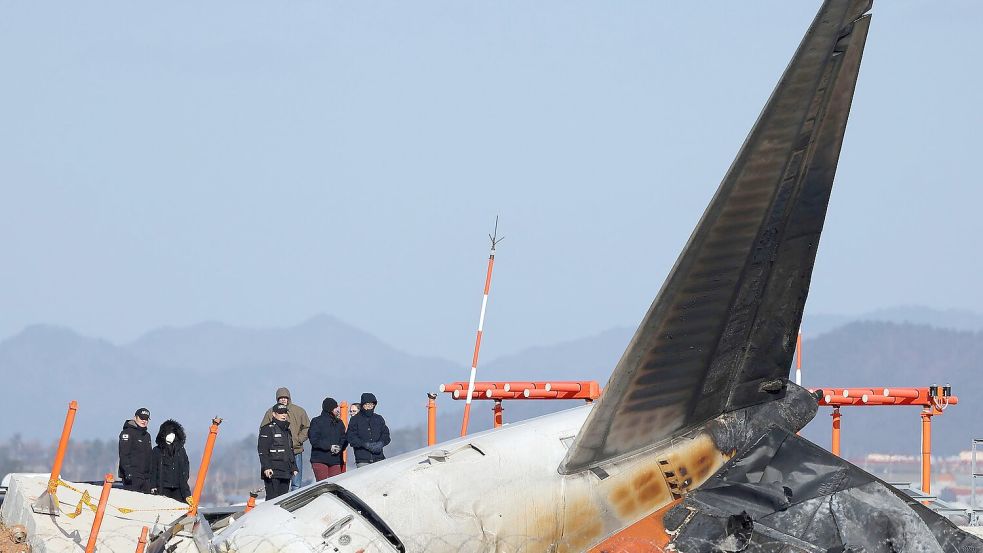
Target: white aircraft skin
[494, 491]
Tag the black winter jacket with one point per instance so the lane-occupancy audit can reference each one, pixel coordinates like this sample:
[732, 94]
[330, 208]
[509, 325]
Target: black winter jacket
[326, 431]
[275, 447]
[134, 452]
[169, 466]
[366, 430]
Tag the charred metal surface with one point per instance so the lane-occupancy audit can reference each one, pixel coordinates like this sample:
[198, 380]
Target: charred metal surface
[719, 336]
[736, 430]
[798, 496]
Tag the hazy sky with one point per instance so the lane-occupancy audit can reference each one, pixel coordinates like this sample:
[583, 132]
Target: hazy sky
[260, 162]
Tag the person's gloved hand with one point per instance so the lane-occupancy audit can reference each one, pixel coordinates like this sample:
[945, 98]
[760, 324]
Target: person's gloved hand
[375, 447]
[335, 448]
[268, 473]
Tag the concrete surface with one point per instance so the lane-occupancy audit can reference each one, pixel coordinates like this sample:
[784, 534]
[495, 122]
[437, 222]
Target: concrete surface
[974, 530]
[119, 533]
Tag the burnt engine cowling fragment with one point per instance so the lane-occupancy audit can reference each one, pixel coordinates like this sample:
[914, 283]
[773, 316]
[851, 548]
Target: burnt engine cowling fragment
[792, 495]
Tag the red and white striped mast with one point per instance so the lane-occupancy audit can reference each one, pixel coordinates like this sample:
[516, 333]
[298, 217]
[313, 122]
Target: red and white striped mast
[798, 358]
[481, 323]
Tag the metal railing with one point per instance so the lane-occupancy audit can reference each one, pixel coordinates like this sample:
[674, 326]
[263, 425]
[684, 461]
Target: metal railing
[974, 517]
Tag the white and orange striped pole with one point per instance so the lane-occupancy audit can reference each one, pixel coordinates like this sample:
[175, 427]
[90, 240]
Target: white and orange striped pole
[798, 359]
[481, 323]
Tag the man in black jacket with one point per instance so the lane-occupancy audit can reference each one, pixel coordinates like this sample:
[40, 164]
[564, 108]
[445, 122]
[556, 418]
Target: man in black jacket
[328, 442]
[368, 433]
[169, 466]
[276, 456]
[134, 452]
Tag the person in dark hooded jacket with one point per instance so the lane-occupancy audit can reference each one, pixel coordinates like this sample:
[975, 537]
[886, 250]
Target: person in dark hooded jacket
[169, 466]
[328, 442]
[368, 433]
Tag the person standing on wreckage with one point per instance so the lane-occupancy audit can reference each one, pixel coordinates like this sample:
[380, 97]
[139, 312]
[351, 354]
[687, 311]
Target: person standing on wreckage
[328, 441]
[368, 433]
[300, 423]
[277, 463]
[135, 452]
[169, 465]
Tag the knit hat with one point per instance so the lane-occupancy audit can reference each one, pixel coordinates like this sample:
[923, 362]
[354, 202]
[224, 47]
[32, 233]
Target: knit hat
[328, 404]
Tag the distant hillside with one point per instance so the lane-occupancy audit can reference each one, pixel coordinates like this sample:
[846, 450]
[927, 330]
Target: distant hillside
[320, 357]
[45, 367]
[212, 369]
[886, 354]
[194, 373]
[857, 354]
[323, 343]
[953, 319]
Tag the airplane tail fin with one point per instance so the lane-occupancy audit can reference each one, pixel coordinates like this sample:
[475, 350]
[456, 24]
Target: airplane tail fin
[720, 335]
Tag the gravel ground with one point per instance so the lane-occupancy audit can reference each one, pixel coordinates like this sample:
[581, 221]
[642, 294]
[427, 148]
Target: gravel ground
[8, 543]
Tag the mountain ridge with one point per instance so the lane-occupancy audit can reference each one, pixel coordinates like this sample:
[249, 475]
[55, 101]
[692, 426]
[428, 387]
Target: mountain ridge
[188, 375]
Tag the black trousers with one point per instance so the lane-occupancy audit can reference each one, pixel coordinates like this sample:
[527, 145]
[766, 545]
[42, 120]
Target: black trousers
[173, 493]
[137, 484]
[275, 487]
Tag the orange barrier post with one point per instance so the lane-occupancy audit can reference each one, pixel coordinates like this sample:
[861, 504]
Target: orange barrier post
[431, 418]
[344, 419]
[498, 413]
[107, 485]
[927, 450]
[251, 502]
[836, 431]
[47, 503]
[206, 459]
[142, 542]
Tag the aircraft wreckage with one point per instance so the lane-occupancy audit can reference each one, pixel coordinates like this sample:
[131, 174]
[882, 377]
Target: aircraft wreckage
[693, 445]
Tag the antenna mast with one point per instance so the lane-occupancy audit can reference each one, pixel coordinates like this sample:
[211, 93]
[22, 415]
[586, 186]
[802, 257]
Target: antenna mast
[481, 322]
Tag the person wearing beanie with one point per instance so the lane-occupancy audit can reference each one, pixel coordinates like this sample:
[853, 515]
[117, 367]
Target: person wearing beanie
[169, 465]
[328, 441]
[277, 464]
[135, 452]
[299, 425]
[368, 433]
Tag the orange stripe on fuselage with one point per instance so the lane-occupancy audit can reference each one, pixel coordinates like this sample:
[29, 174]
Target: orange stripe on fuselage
[645, 536]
